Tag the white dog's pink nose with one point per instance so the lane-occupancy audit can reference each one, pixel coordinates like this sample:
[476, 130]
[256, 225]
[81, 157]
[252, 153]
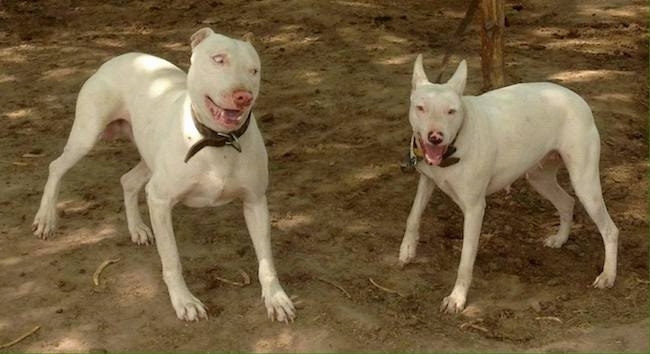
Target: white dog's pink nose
[242, 98]
[435, 138]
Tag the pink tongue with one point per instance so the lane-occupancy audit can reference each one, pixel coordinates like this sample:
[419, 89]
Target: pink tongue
[227, 115]
[433, 153]
[231, 115]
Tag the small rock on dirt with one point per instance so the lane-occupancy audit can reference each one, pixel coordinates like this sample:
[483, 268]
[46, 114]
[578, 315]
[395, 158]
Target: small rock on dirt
[535, 46]
[536, 306]
[267, 117]
[65, 287]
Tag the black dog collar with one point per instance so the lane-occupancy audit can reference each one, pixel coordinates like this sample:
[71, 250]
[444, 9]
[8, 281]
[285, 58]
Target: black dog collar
[216, 139]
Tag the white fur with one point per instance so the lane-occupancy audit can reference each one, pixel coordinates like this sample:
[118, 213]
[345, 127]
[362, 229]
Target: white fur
[153, 99]
[502, 135]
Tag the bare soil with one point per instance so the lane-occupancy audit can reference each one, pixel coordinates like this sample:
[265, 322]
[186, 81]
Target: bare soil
[336, 78]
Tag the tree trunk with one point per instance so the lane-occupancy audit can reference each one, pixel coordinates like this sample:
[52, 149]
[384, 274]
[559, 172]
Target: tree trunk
[492, 28]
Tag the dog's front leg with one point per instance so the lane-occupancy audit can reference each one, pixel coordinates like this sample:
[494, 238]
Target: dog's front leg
[278, 304]
[407, 250]
[186, 305]
[473, 213]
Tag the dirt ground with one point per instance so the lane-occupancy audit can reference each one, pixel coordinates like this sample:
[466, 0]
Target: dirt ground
[333, 110]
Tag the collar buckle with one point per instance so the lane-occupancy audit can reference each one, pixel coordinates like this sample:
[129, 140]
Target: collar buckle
[231, 139]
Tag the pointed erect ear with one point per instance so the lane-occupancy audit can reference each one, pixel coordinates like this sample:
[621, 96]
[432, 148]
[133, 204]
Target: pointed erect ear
[458, 80]
[200, 35]
[419, 76]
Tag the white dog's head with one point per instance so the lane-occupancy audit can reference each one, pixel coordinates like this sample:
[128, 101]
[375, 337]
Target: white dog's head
[436, 111]
[223, 79]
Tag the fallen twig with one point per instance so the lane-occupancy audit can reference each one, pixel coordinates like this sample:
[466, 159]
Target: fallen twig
[15, 163]
[30, 155]
[347, 294]
[550, 318]
[15, 341]
[418, 319]
[642, 281]
[298, 304]
[383, 288]
[244, 275]
[100, 269]
[473, 325]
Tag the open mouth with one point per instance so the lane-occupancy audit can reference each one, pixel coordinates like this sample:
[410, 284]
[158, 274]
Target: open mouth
[223, 116]
[433, 154]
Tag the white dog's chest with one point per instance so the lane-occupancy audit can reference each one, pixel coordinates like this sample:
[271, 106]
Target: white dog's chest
[211, 189]
[441, 179]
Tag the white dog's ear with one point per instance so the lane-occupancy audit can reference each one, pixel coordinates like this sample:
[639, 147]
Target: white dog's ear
[200, 35]
[419, 76]
[458, 80]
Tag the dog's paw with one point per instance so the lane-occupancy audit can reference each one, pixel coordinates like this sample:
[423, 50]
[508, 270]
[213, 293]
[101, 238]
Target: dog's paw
[452, 304]
[45, 223]
[604, 281]
[278, 305]
[189, 308]
[555, 241]
[141, 234]
[407, 251]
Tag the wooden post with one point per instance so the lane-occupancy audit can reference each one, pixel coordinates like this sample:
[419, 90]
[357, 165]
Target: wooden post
[492, 28]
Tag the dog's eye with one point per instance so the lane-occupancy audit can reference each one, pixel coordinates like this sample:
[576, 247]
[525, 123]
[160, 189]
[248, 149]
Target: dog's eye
[419, 108]
[219, 58]
[451, 111]
[255, 71]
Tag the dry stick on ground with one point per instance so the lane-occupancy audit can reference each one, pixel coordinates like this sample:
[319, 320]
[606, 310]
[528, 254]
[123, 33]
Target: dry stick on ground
[15, 163]
[15, 341]
[29, 155]
[347, 294]
[418, 319]
[473, 325]
[100, 269]
[380, 287]
[551, 318]
[297, 304]
[244, 275]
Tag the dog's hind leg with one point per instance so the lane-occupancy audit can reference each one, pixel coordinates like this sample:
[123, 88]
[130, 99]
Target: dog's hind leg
[407, 250]
[93, 110]
[544, 179]
[581, 161]
[132, 183]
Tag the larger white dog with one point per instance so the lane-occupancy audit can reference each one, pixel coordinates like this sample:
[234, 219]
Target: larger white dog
[474, 146]
[172, 117]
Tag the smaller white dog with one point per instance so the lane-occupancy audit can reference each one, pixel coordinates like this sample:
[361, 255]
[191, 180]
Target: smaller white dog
[199, 144]
[472, 146]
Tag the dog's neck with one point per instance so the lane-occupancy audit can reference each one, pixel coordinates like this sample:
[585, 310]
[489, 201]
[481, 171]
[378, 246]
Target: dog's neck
[214, 138]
